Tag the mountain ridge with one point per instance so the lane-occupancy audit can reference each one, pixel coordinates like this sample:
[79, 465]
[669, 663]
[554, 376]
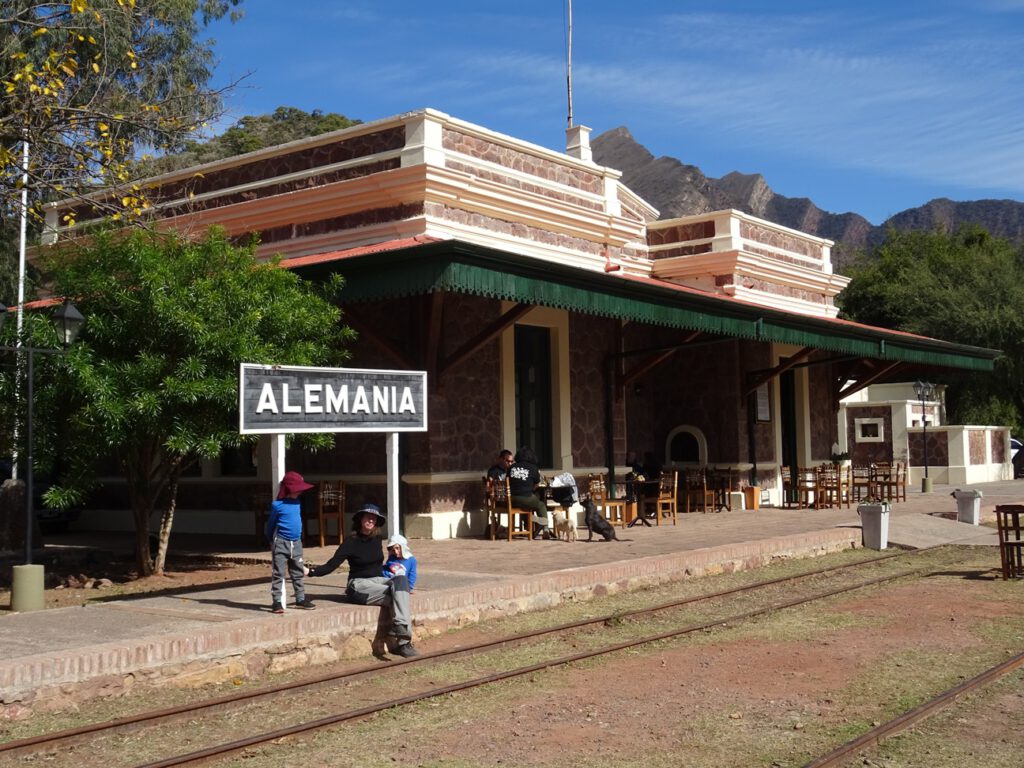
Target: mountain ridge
[678, 189]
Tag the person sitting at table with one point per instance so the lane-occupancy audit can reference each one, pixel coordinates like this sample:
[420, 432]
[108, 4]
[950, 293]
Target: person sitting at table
[633, 462]
[523, 479]
[499, 470]
[652, 467]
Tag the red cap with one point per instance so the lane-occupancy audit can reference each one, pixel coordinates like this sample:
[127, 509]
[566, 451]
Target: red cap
[292, 482]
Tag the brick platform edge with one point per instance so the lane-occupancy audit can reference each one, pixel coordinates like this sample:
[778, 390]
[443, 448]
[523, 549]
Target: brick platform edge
[244, 648]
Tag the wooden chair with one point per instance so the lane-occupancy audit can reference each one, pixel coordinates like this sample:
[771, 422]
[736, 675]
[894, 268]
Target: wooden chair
[519, 522]
[808, 492]
[834, 483]
[885, 480]
[331, 506]
[1010, 524]
[613, 510]
[664, 504]
[828, 486]
[697, 491]
[900, 486]
[862, 482]
[845, 487]
[789, 497]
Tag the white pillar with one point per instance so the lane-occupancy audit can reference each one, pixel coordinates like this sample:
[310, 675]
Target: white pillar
[276, 462]
[392, 452]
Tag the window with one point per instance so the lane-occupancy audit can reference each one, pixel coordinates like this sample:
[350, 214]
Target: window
[869, 430]
[686, 446]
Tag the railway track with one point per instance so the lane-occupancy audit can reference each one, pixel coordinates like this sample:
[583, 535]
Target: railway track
[56, 742]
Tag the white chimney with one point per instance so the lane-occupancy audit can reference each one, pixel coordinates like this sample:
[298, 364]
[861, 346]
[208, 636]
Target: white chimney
[577, 143]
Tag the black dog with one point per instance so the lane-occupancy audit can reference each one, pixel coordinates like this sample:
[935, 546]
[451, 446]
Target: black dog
[597, 523]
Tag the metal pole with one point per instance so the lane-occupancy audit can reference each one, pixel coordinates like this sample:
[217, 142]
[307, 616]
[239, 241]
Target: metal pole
[29, 516]
[924, 424]
[568, 66]
[21, 285]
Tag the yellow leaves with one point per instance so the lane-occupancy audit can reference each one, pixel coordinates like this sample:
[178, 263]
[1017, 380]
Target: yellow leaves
[79, 6]
[40, 32]
[95, 67]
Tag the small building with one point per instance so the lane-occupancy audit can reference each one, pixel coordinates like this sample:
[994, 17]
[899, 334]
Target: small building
[888, 422]
[549, 306]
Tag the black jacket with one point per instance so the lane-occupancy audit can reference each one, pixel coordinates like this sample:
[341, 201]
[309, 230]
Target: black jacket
[365, 558]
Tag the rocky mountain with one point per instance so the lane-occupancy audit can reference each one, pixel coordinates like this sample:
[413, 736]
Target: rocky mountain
[676, 189]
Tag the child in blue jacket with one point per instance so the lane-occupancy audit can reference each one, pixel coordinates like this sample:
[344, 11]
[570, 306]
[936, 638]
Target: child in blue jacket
[284, 530]
[400, 560]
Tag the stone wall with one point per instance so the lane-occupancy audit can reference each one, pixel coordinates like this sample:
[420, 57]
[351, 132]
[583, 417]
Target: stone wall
[938, 448]
[522, 162]
[868, 453]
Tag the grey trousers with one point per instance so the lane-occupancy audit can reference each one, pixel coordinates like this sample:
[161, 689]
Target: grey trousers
[286, 556]
[393, 597]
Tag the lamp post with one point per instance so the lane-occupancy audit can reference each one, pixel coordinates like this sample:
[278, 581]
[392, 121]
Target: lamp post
[924, 390]
[27, 583]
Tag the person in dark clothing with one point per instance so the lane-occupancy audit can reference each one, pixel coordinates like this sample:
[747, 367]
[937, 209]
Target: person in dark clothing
[364, 553]
[499, 470]
[284, 530]
[523, 479]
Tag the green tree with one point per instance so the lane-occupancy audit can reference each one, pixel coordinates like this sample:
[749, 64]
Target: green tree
[249, 134]
[966, 287]
[153, 380]
[92, 84]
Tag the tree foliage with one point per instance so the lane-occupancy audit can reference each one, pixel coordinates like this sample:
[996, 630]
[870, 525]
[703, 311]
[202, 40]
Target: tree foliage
[90, 84]
[966, 287]
[250, 134]
[153, 381]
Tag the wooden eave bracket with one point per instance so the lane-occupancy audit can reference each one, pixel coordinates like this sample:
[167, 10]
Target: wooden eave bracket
[765, 376]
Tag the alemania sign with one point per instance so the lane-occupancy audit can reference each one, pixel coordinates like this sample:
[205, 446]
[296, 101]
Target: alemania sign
[280, 398]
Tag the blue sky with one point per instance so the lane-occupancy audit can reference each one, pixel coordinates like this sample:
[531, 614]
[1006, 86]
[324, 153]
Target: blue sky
[871, 107]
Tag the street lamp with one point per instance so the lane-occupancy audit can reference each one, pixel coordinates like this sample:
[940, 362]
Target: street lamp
[925, 390]
[27, 583]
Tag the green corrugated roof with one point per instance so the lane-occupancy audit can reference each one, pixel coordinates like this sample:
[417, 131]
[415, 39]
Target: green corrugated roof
[452, 266]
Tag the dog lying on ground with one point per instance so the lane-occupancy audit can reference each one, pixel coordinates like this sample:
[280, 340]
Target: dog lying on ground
[564, 523]
[596, 523]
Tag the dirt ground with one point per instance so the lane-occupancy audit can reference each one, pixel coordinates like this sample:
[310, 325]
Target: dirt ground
[82, 581]
[772, 692]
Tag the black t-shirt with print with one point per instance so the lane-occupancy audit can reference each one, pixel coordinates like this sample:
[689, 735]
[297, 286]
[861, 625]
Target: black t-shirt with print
[522, 479]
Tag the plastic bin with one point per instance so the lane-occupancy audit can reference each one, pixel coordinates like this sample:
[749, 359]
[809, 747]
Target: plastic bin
[874, 525]
[968, 505]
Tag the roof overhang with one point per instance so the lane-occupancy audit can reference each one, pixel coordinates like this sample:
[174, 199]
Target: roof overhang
[419, 267]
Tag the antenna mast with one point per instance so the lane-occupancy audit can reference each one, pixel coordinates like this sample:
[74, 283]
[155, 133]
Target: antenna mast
[568, 64]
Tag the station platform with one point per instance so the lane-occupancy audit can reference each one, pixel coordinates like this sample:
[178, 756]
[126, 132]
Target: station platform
[215, 634]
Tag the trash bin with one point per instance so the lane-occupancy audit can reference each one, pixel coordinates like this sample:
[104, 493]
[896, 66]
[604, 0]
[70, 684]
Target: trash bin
[874, 524]
[968, 505]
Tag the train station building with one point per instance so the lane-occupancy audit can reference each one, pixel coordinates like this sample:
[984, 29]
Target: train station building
[549, 306]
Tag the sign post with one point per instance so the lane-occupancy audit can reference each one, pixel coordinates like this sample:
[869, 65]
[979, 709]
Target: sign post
[280, 399]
